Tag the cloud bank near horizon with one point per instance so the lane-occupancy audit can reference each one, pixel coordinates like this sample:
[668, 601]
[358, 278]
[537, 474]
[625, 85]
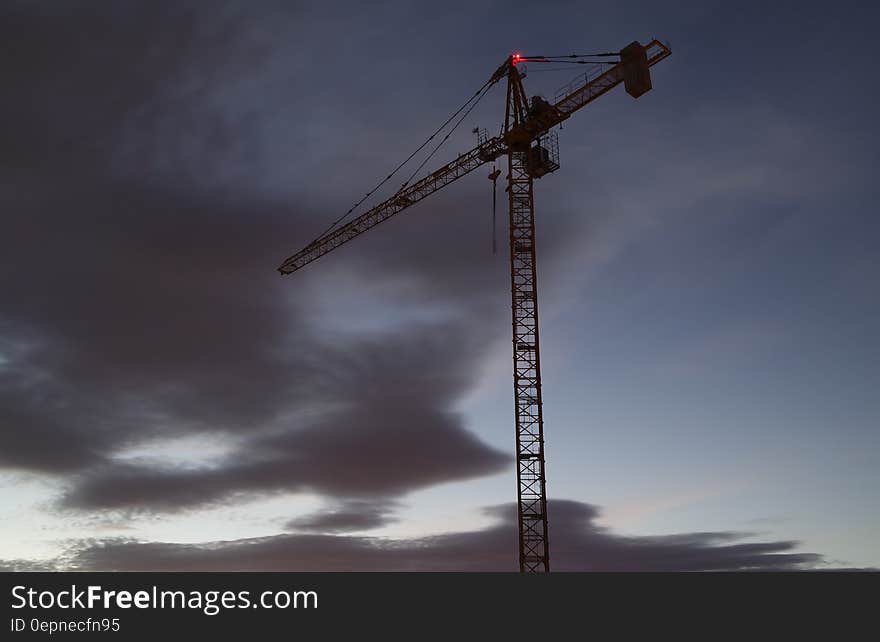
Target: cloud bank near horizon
[579, 544]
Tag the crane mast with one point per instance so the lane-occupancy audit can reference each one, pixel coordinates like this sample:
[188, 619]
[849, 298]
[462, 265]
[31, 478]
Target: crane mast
[534, 550]
[530, 154]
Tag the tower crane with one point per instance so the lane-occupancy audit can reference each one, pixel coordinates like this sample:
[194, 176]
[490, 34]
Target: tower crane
[530, 146]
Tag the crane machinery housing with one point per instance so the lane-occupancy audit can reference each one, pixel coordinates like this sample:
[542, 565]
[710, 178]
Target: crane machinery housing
[531, 149]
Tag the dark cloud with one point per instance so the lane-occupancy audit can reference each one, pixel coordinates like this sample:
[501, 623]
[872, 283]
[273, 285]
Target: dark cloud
[25, 565]
[578, 545]
[349, 516]
[95, 83]
[141, 301]
[383, 439]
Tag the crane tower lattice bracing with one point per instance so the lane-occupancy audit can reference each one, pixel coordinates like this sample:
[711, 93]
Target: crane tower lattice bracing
[532, 493]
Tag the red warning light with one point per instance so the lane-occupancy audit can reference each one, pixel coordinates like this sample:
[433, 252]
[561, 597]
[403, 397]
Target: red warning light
[516, 58]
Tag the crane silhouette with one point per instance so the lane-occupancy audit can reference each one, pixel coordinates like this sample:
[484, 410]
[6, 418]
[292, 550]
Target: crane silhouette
[531, 148]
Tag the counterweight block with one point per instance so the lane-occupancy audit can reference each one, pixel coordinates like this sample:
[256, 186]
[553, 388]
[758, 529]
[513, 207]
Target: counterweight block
[636, 72]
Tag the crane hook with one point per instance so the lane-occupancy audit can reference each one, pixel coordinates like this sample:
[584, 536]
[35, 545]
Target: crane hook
[494, 178]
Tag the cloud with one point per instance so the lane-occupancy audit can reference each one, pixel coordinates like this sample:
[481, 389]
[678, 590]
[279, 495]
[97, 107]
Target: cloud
[353, 515]
[578, 544]
[381, 438]
[141, 302]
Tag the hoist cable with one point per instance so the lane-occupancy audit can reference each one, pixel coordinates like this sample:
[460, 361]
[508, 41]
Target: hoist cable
[595, 55]
[571, 62]
[476, 96]
[482, 93]
[494, 223]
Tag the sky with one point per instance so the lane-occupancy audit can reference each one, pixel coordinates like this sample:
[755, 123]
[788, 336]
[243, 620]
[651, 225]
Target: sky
[707, 260]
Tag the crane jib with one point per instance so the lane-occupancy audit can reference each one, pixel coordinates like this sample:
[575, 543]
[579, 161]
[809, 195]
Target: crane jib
[542, 121]
[464, 164]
